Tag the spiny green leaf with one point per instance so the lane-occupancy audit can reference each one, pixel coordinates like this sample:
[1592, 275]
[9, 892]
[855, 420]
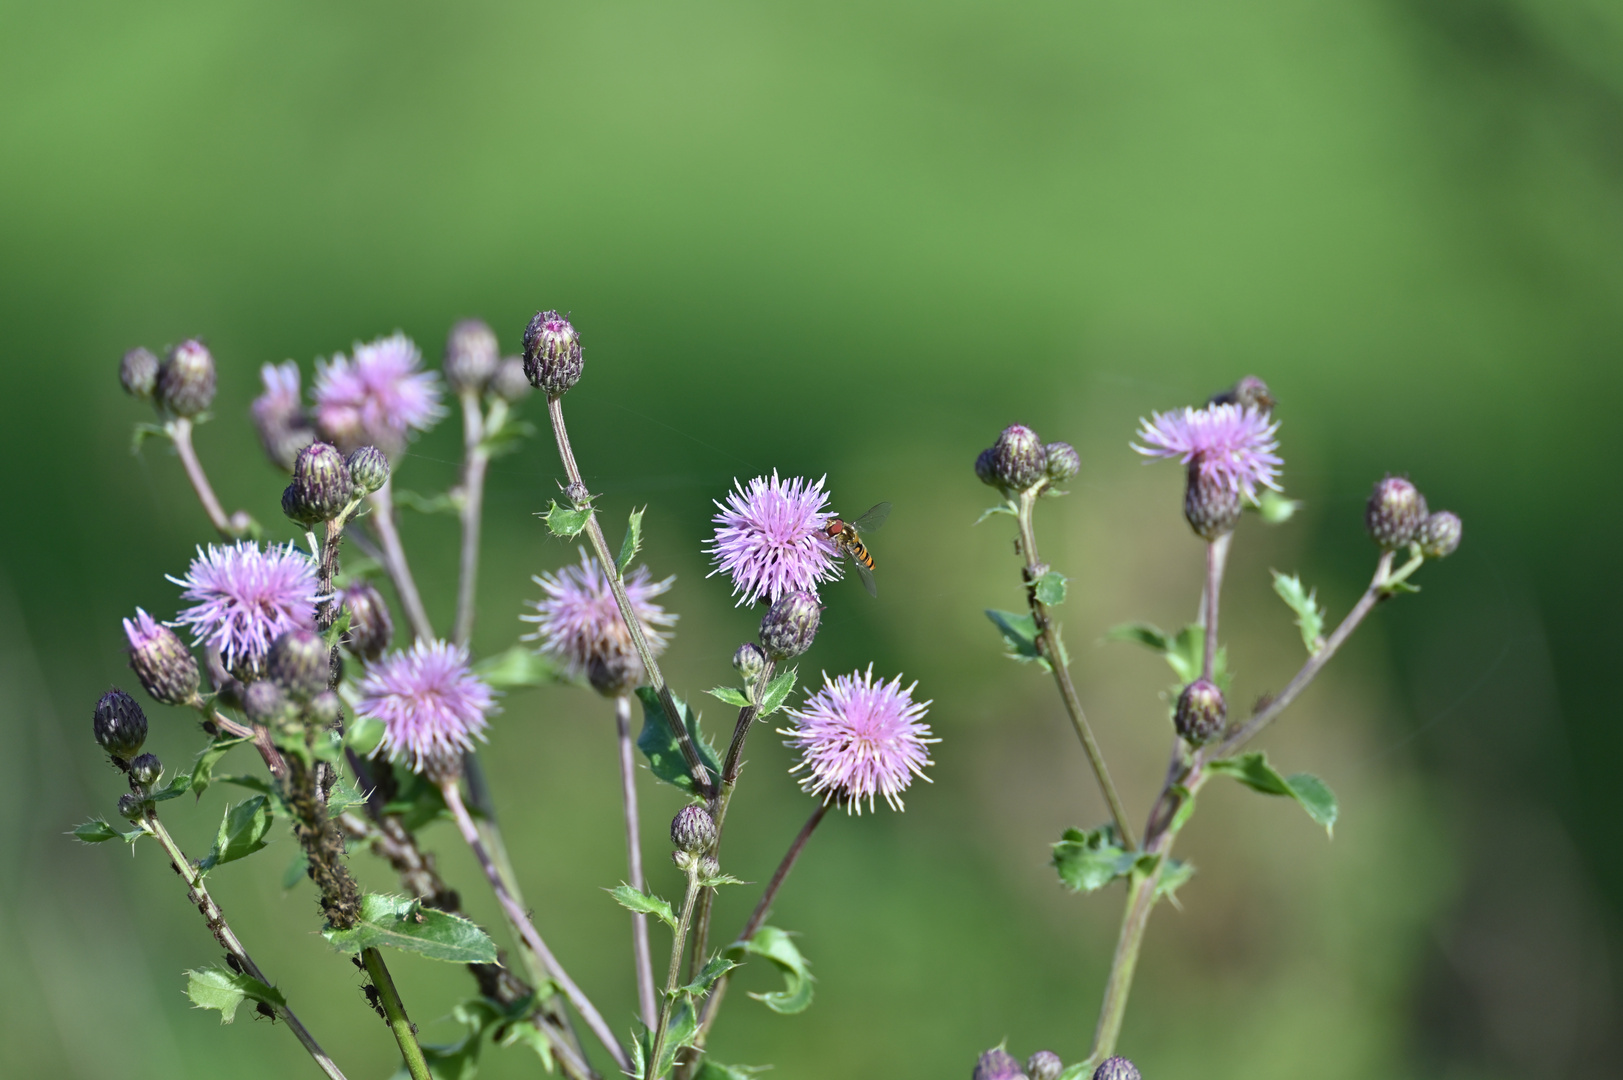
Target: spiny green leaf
[1019, 636]
[221, 989]
[564, 522]
[402, 922]
[95, 831]
[1051, 588]
[720, 879]
[632, 543]
[1173, 875]
[1254, 772]
[779, 948]
[344, 796]
[440, 503]
[203, 769]
[729, 696]
[777, 692]
[242, 832]
[1303, 601]
[1087, 861]
[363, 734]
[644, 904]
[658, 741]
[516, 667]
[177, 787]
[716, 967]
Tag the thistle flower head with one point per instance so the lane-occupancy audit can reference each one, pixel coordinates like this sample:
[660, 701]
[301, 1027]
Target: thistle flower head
[997, 1064]
[860, 739]
[138, 373]
[279, 415]
[771, 538]
[578, 621]
[377, 396]
[166, 668]
[431, 705]
[245, 597]
[1229, 445]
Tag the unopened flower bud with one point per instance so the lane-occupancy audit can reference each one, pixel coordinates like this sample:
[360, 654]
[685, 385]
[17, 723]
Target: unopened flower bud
[1249, 393]
[1018, 458]
[613, 672]
[709, 866]
[443, 766]
[1044, 1065]
[321, 487]
[138, 372]
[552, 359]
[326, 708]
[693, 830]
[370, 627]
[368, 468]
[509, 382]
[1116, 1068]
[1210, 505]
[146, 769]
[1439, 534]
[130, 806]
[301, 662]
[119, 724]
[1395, 511]
[997, 1064]
[471, 356]
[749, 661]
[186, 379]
[985, 466]
[790, 625]
[265, 702]
[1063, 461]
[166, 668]
[1200, 712]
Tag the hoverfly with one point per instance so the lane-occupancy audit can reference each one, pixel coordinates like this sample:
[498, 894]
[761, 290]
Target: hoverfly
[848, 540]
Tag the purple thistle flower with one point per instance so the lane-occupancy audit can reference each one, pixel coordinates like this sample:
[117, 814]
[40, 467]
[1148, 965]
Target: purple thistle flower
[1229, 444]
[280, 401]
[579, 620]
[770, 538]
[245, 598]
[431, 705]
[859, 739]
[378, 397]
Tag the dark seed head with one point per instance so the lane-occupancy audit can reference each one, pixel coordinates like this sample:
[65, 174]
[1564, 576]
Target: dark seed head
[370, 627]
[146, 769]
[130, 806]
[321, 486]
[1063, 461]
[552, 358]
[265, 702]
[368, 468]
[119, 724]
[167, 669]
[1044, 1065]
[1116, 1068]
[749, 661]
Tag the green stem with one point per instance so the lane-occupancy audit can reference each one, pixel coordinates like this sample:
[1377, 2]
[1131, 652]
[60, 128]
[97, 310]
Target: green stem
[234, 527]
[475, 460]
[641, 958]
[395, 1012]
[673, 979]
[394, 561]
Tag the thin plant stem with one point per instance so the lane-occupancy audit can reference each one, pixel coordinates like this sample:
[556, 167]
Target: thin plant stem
[395, 1013]
[520, 922]
[577, 492]
[234, 527]
[475, 460]
[394, 561]
[679, 942]
[642, 959]
[228, 939]
[1214, 585]
[1048, 639]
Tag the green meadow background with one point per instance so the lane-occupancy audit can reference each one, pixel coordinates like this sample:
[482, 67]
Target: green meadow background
[859, 239]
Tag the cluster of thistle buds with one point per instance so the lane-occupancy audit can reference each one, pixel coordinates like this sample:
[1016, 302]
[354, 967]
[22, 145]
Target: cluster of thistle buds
[120, 728]
[298, 672]
[1021, 462]
[693, 831]
[326, 483]
[181, 384]
[1397, 516]
[998, 1064]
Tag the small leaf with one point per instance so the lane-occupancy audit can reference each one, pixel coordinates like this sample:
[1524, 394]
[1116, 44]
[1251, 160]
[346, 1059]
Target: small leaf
[1173, 875]
[659, 745]
[1309, 615]
[177, 787]
[1151, 637]
[203, 770]
[777, 692]
[441, 503]
[1006, 508]
[632, 543]
[1254, 772]
[729, 696]
[779, 948]
[1019, 636]
[720, 879]
[221, 989]
[1051, 588]
[402, 922]
[517, 667]
[717, 967]
[566, 523]
[644, 904]
[340, 626]
[95, 831]
[242, 832]
[714, 1070]
[1088, 861]
[1316, 798]
[363, 734]
[1274, 508]
[143, 432]
[344, 796]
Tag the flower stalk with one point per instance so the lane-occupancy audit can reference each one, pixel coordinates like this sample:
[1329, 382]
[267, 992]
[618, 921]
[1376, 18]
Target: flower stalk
[405, 1033]
[673, 979]
[232, 527]
[642, 959]
[395, 564]
[475, 461]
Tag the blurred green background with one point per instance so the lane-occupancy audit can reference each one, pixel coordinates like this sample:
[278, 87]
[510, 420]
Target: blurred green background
[859, 239]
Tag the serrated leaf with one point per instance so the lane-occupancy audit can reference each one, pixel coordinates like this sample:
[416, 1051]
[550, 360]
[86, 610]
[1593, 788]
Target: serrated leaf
[680, 1032]
[1019, 636]
[224, 990]
[203, 769]
[632, 543]
[1050, 588]
[729, 696]
[96, 831]
[779, 949]
[1088, 861]
[1184, 652]
[1254, 772]
[441, 503]
[658, 742]
[1274, 508]
[363, 734]
[714, 1070]
[402, 922]
[717, 966]
[177, 787]
[242, 832]
[566, 523]
[721, 879]
[516, 667]
[777, 692]
[344, 796]
[1303, 601]
[644, 904]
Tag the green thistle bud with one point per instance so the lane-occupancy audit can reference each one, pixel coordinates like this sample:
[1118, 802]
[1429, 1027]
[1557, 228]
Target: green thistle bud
[997, 1064]
[1116, 1068]
[131, 806]
[1200, 712]
[1439, 535]
[119, 725]
[368, 468]
[790, 625]
[265, 702]
[1018, 458]
[693, 830]
[146, 770]
[370, 627]
[552, 357]
[138, 372]
[1394, 513]
[509, 382]
[185, 384]
[1063, 461]
[326, 708]
[1044, 1064]
[749, 661]
[321, 486]
[471, 356]
[301, 662]
[1210, 505]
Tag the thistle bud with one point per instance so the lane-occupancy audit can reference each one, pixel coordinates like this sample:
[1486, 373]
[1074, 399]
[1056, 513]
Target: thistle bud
[997, 1064]
[985, 467]
[693, 830]
[1210, 505]
[370, 627]
[1018, 458]
[471, 356]
[321, 487]
[265, 702]
[1044, 1065]
[119, 725]
[552, 359]
[1200, 712]
[368, 468]
[749, 661]
[509, 382]
[138, 372]
[185, 384]
[790, 625]
[301, 662]
[1395, 510]
[1116, 1068]
[613, 672]
[1439, 535]
[166, 668]
[1249, 393]
[130, 806]
[1063, 461]
[146, 770]
[326, 708]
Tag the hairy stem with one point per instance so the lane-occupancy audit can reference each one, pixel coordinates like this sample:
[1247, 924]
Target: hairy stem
[475, 459]
[642, 959]
[405, 1033]
[394, 561]
[230, 528]
[679, 942]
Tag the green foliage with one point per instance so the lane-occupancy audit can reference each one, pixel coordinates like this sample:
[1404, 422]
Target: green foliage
[363, 734]
[727, 695]
[508, 1025]
[506, 437]
[1019, 636]
[242, 832]
[417, 800]
[516, 667]
[1002, 508]
[715, 968]
[1050, 588]
[632, 543]
[97, 830]
[1254, 772]
[659, 745]
[203, 770]
[1273, 507]
[566, 523]
[1088, 861]
[644, 904]
[777, 692]
[441, 503]
[1173, 875]
[403, 922]
[344, 796]
[222, 989]
[338, 629]
[1184, 652]
[1303, 601]
[680, 1032]
[777, 947]
[176, 787]
[713, 1070]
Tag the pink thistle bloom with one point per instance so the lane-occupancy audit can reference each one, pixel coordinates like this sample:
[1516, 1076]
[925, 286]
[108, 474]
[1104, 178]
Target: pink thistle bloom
[578, 619]
[246, 597]
[431, 705]
[859, 739]
[280, 403]
[378, 397]
[770, 538]
[1229, 444]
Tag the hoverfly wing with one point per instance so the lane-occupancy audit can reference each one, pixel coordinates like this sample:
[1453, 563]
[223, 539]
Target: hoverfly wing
[873, 519]
[867, 577]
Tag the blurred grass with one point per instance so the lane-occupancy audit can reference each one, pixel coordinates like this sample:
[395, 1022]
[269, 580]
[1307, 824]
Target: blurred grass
[859, 239]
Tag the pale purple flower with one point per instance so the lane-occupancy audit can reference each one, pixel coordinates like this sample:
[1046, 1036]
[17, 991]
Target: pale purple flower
[1227, 443]
[860, 739]
[377, 397]
[578, 619]
[245, 597]
[431, 705]
[771, 538]
[279, 415]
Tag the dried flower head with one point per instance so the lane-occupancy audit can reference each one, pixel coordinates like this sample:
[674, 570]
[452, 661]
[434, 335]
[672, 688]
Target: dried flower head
[166, 668]
[859, 739]
[771, 538]
[245, 597]
[1228, 445]
[431, 705]
[578, 621]
[279, 417]
[379, 396]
